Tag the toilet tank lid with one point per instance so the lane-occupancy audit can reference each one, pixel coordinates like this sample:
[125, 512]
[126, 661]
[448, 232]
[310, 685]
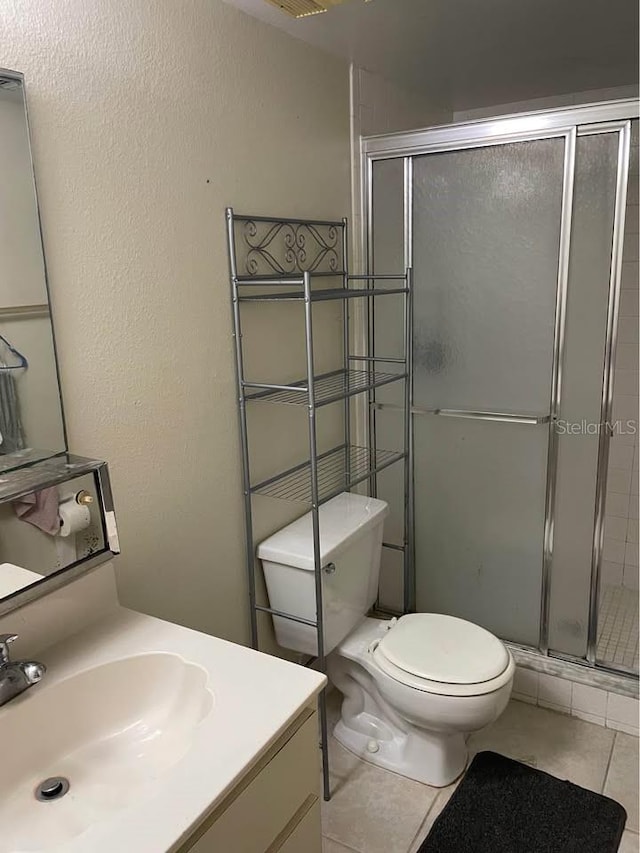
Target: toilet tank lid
[342, 519]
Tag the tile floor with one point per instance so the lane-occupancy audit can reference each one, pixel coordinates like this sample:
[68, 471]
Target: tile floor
[618, 626]
[374, 811]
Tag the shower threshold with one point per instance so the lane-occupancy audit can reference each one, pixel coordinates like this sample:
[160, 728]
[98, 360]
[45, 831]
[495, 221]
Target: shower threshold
[583, 673]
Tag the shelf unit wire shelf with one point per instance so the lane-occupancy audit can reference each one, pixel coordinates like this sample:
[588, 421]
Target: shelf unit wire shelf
[297, 280]
[294, 280]
[328, 387]
[322, 294]
[338, 470]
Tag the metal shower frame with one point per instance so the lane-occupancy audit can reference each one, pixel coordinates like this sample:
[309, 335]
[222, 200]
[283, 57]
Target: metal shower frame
[292, 253]
[570, 123]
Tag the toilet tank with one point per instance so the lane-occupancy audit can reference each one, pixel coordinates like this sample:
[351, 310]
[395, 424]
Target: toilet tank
[350, 547]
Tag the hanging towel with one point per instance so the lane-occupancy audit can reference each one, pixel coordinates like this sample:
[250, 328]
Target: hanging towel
[11, 430]
[40, 509]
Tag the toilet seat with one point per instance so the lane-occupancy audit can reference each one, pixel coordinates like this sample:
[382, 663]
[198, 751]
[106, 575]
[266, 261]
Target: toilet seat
[443, 655]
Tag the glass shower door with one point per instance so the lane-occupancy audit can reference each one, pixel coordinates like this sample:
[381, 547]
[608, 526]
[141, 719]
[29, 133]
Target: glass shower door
[486, 234]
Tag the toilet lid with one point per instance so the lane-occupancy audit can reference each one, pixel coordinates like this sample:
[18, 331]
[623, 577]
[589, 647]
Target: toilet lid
[444, 648]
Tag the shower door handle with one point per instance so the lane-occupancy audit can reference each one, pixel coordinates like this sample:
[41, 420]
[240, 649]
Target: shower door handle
[469, 414]
[506, 417]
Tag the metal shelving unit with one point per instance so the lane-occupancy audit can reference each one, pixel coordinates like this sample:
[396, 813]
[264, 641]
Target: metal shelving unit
[282, 260]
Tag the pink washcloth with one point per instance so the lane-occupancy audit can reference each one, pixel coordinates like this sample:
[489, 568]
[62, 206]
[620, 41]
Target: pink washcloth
[40, 509]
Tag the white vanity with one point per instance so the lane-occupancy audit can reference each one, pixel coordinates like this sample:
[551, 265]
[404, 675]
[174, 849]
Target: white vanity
[170, 740]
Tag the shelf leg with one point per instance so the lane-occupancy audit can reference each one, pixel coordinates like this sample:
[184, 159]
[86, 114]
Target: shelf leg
[324, 745]
[346, 347]
[315, 517]
[409, 573]
[244, 435]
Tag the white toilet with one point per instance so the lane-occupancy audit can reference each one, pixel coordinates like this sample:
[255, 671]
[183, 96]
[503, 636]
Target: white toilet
[413, 687]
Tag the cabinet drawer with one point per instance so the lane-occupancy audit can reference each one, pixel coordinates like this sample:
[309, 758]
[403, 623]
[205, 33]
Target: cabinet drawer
[307, 836]
[253, 819]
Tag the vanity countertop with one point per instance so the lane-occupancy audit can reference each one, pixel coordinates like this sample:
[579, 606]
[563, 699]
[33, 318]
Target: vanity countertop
[253, 698]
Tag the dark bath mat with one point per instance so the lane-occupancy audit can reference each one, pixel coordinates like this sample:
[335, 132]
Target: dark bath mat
[503, 806]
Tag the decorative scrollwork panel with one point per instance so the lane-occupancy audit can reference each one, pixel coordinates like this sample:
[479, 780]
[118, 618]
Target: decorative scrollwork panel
[266, 247]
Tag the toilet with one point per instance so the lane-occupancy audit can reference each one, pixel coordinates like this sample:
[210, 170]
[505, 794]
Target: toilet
[413, 688]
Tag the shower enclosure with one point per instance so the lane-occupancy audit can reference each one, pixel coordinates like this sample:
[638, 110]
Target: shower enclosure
[524, 293]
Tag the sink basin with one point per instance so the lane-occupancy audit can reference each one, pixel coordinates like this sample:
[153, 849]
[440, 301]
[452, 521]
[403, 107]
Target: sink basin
[112, 731]
[152, 724]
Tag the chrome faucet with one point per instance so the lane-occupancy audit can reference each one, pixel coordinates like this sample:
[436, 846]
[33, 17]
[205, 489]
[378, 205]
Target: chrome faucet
[16, 676]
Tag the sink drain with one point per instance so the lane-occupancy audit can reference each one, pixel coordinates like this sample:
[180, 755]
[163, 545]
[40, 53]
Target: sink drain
[52, 789]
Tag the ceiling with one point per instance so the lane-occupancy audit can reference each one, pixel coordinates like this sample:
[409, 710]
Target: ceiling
[465, 54]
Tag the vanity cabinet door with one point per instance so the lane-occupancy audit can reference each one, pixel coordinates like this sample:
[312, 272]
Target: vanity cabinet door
[274, 806]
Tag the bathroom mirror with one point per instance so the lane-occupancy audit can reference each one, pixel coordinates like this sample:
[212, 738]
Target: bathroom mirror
[31, 416]
[56, 521]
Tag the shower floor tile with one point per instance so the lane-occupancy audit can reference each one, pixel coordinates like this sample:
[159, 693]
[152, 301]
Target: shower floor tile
[618, 626]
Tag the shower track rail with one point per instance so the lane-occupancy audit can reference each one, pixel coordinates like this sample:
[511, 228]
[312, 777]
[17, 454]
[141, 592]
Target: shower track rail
[283, 260]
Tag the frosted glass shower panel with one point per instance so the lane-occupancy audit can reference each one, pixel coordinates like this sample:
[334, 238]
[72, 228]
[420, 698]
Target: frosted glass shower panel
[584, 350]
[479, 509]
[387, 255]
[486, 226]
[387, 203]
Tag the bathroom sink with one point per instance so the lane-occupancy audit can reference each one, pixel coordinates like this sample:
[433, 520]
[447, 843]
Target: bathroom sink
[112, 731]
[152, 725]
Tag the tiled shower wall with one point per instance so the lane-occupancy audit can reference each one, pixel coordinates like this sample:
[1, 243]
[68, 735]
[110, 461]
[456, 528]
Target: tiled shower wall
[620, 556]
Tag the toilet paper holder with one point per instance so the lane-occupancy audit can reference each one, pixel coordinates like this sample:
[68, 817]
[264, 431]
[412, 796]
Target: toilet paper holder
[82, 497]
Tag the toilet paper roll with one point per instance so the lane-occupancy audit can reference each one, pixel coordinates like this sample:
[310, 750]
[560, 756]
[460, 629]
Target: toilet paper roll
[74, 517]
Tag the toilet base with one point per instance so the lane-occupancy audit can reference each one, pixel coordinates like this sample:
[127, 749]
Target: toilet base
[411, 732]
[433, 758]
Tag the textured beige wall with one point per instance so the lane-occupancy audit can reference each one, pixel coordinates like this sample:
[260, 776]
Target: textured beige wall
[147, 118]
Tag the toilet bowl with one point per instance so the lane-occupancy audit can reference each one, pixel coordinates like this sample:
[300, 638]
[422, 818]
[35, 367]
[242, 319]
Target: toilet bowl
[408, 723]
[413, 688]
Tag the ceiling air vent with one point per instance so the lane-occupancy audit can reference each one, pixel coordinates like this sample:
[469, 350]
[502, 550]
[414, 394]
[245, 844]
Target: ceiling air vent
[304, 8]
[299, 8]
